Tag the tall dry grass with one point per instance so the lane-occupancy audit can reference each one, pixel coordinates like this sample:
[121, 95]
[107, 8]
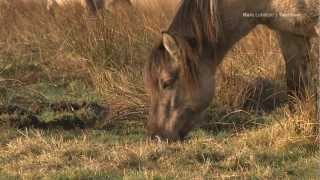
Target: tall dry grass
[106, 52]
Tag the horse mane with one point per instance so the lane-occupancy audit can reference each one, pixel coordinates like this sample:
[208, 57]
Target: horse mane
[198, 19]
[196, 22]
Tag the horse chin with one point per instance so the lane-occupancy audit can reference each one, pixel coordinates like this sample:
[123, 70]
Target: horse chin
[191, 123]
[180, 134]
[170, 136]
[180, 127]
[167, 137]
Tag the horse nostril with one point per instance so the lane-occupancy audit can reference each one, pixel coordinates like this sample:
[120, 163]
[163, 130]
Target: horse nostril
[182, 136]
[152, 136]
[155, 136]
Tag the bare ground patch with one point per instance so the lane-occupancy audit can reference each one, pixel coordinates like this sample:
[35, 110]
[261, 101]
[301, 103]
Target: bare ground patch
[65, 115]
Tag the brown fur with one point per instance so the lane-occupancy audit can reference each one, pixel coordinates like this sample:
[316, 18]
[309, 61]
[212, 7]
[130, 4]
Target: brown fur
[204, 26]
[160, 59]
[201, 34]
[93, 5]
[117, 6]
[203, 20]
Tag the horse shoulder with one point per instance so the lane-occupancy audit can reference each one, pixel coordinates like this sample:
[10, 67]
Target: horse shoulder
[296, 16]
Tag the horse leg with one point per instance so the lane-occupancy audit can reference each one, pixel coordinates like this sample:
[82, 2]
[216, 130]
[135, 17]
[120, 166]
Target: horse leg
[92, 6]
[296, 52]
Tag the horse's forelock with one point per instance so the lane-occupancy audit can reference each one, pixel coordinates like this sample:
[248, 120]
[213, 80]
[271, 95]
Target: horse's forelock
[153, 67]
[189, 63]
[160, 59]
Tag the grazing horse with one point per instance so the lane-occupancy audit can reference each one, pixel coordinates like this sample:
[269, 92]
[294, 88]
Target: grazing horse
[116, 6]
[55, 3]
[180, 72]
[92, 5]
[157, 7]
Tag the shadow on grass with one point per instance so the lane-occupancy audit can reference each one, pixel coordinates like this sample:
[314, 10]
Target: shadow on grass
[127, 121]
[251, 107]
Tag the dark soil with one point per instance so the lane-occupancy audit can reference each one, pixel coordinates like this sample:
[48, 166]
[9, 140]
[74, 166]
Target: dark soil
[68, 115]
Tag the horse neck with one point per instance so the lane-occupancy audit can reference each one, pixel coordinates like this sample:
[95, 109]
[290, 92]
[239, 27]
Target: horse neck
[234, 24]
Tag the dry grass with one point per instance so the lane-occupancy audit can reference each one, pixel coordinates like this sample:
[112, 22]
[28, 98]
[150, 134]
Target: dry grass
[71, 55]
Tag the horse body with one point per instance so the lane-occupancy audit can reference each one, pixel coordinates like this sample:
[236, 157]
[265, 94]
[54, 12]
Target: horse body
[180, 73]
[161, 7]
[152, 6]
[296, 16]
[119, 6]
[52, 3]
[92, 5]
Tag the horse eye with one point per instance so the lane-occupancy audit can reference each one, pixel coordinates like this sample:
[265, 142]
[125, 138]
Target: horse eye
[167, 84]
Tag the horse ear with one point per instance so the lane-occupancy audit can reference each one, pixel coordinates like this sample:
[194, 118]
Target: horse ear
[171, 45]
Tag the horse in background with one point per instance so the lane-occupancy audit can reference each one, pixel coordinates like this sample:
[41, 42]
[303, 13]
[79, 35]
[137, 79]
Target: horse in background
[180, 74]
[150, 7]
[92, 5]
[159, 8]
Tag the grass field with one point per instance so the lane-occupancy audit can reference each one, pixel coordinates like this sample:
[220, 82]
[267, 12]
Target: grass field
[85, 73]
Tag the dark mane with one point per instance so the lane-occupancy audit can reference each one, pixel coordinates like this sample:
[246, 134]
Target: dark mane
[198, 19]
[196, 23]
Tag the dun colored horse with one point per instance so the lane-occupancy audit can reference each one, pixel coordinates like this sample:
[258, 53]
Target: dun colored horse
[92, 5]
[180, 72]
